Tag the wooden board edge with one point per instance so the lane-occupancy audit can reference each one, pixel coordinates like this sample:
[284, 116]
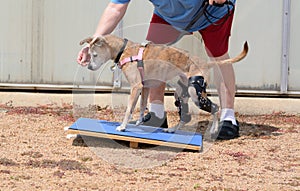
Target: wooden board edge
[135, 139]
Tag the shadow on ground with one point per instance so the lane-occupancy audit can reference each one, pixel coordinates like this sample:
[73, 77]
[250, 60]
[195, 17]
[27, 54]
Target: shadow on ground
[246, 129]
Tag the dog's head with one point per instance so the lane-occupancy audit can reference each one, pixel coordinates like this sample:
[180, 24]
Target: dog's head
[99, 51]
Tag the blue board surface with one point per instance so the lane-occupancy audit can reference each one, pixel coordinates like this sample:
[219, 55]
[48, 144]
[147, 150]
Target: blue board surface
[143, 132]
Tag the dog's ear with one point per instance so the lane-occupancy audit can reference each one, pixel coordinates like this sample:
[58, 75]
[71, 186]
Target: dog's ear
[97, 41]
[87, 40]
[94, 40]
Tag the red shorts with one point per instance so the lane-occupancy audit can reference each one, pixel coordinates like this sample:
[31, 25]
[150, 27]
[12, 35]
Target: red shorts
[215, 37]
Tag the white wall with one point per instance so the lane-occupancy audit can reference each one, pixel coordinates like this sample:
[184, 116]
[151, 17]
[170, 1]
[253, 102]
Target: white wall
[16, 41]
[294, 71]
[39, 41]
[261, 25]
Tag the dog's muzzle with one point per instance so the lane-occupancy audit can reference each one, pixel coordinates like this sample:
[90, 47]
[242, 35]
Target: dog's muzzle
[93, 66]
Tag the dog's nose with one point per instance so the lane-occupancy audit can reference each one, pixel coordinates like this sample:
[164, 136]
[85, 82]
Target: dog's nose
[93, 66]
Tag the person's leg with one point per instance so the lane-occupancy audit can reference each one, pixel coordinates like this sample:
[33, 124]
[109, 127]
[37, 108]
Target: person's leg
[216, 40]
[159, 32]
[225, 84]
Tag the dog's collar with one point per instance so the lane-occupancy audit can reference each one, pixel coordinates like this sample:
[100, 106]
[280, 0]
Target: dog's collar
[117, 59]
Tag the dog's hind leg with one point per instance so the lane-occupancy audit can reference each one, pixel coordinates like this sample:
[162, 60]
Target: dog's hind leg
[197, 91]
[134, 95]
[143, 105]
[182, 97]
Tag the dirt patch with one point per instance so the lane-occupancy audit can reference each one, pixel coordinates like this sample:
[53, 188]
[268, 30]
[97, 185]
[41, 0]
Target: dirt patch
[35, 155]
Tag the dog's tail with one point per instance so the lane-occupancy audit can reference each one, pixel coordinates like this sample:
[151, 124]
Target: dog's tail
[242, 55]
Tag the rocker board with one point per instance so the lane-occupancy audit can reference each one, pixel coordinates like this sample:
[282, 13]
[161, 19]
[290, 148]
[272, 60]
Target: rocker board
[136, 134]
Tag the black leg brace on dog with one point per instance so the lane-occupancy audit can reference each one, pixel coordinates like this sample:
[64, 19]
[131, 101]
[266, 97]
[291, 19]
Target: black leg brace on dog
[203, 102]
[183, 108]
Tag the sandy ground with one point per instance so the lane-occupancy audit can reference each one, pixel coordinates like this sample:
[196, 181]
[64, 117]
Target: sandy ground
[35, 155]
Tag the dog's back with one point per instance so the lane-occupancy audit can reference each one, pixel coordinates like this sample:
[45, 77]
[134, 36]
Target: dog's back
[180, 59]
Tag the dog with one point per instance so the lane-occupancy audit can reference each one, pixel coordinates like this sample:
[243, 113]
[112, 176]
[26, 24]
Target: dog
[148, 66]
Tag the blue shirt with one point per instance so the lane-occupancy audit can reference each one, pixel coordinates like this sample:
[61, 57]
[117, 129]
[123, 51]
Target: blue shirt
[179, 13]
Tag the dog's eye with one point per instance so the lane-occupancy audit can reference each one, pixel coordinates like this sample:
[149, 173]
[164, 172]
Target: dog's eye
[99, 44]
[95, 54]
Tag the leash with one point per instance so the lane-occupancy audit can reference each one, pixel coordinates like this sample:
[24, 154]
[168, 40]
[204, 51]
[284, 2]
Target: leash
[228, 4]
[203, 12]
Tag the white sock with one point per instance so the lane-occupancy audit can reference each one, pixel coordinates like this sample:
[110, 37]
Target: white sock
[158, 109]
[228, 115]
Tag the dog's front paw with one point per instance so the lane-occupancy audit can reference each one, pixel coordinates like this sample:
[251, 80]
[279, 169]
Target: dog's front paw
[121, 128]
[175, 128]
[170, 130]
[139, 122]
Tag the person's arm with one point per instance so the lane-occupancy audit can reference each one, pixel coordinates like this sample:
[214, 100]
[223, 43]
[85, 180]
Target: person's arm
[110, 18]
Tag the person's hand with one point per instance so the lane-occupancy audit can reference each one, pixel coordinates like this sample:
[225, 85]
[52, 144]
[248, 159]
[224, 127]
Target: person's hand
[84, 57]
[211, 2]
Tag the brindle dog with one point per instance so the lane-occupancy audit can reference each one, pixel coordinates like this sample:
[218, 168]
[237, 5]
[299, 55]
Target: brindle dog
[160, 64]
